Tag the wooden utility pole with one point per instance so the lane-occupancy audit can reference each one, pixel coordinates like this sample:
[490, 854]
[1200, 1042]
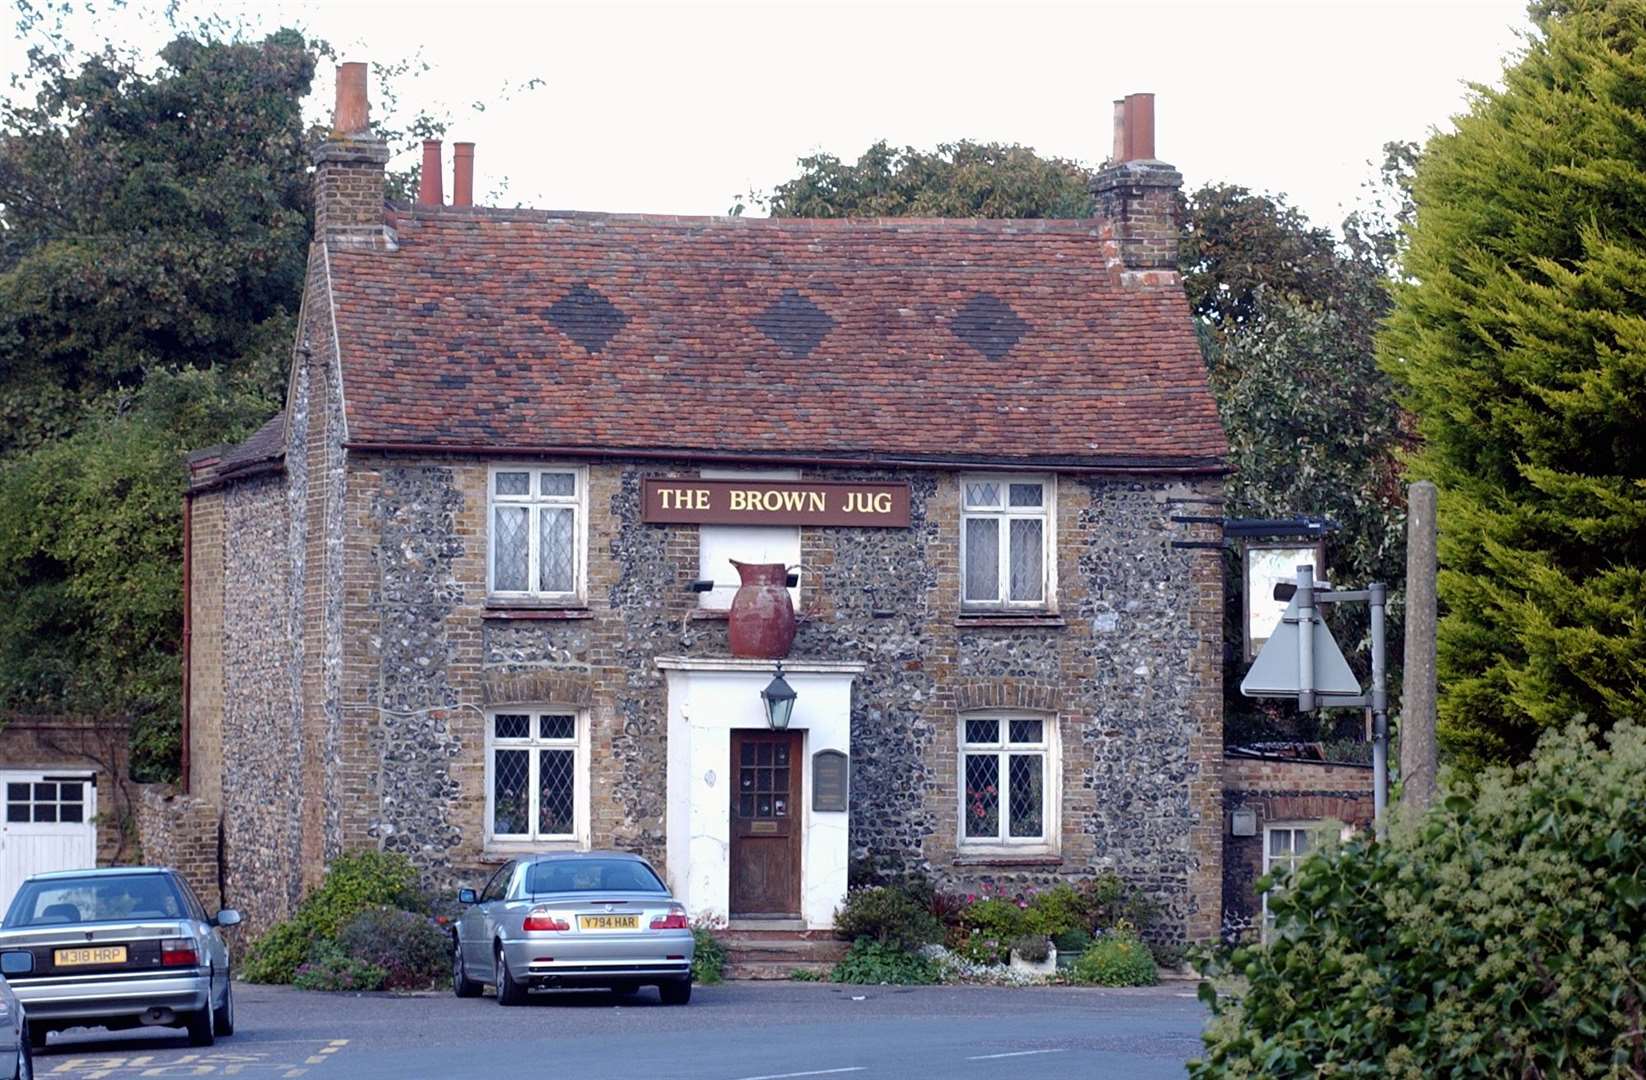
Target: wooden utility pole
[1417, 705]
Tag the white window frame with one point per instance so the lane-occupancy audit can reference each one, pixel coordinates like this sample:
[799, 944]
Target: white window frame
[1051, 784]
[578, 502]
[578, 838]
[1316, 831]
[1004, 513]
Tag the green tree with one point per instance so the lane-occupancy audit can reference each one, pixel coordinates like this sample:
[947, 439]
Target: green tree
[1519, 342]
[961, 179]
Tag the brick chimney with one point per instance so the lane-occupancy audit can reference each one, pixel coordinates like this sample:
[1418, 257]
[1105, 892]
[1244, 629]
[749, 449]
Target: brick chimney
[1136, 194]
[348, 174]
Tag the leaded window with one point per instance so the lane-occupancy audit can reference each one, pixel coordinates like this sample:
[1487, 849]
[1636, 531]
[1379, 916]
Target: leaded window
[536, 527]
[1007, 780]
[1006, 552]
[536, 770]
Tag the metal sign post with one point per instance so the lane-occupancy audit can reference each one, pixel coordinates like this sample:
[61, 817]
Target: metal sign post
[1303, 660]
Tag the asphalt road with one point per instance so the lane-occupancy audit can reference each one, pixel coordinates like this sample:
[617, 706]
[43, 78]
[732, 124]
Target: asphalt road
[740, 1031]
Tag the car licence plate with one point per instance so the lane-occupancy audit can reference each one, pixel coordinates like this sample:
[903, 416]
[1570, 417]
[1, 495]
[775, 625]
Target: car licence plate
[106, 954]
[608, 922]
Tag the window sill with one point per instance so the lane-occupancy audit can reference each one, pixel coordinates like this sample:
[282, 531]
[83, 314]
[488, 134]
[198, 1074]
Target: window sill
[504, 610]
[499, 852]
[995, 858]
[1007, 620]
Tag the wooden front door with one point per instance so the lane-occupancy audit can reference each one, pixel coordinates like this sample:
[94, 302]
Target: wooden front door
[765, 868]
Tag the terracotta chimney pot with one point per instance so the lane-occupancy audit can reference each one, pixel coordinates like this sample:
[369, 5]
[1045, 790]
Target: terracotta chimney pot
[463, 174]
[351, 116]
[1137, 128]
[429, 192]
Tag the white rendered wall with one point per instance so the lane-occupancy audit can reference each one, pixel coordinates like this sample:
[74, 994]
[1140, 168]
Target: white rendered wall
[708, 699]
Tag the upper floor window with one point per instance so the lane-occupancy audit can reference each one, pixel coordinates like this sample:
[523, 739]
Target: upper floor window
[1008, 780]
[537, 769]
[537, 529]
[1007, 560]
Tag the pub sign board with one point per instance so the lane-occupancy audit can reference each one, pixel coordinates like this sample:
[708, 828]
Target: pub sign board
[689, 501]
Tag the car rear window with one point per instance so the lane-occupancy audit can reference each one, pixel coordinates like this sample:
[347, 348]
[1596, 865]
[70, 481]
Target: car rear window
[64, 901]
[592, 875]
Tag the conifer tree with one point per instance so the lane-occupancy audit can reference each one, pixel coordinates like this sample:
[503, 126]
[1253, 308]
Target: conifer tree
[1519, 342]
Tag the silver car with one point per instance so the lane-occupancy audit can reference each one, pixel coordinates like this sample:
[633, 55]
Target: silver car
[117, 948]
[585, 919]
[16, 1061]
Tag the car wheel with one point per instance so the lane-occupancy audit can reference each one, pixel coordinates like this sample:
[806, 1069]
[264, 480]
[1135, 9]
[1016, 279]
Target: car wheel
[678, 992]
[224, 1025]
[37, 1035]
[509, 991]
[462, 985]
[202, 1025]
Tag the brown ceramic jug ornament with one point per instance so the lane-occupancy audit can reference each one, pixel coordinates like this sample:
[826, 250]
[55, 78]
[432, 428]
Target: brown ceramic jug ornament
[761, 624]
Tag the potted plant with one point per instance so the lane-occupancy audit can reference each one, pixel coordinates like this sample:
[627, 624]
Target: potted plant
[1033, 954]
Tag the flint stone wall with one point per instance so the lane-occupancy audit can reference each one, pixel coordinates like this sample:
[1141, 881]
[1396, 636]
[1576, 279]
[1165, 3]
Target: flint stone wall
[1125, 669]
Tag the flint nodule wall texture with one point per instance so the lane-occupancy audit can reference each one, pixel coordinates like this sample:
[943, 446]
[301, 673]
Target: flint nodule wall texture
[1127, 667]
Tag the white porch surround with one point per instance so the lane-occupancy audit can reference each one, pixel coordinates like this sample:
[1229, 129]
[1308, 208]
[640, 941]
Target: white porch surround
[708, 699]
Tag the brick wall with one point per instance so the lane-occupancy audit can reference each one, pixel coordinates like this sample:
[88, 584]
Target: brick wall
[181, 831]
[205, 727]
[1280, 790]
[79, 744]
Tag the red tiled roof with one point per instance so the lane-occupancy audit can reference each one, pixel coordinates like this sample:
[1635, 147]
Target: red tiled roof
[893, 339]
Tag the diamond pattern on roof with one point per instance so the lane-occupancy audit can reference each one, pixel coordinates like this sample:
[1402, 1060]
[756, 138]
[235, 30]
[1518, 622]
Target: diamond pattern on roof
[587, 317]
[989, 325]
[794, 323]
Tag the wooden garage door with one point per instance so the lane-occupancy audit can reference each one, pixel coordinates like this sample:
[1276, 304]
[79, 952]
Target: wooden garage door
[49, 823]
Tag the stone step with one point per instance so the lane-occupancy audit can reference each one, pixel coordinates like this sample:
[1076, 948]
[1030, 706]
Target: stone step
[779, 948]
[768, 971]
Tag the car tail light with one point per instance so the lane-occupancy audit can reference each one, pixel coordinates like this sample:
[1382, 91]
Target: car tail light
[179, 952]
[674, 920]
[540, 919]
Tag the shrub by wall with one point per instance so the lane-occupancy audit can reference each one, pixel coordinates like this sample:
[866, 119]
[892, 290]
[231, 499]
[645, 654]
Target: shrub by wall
[354, 883]
[1503, 934]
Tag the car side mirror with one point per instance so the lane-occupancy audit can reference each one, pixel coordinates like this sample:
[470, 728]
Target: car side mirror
[16, 963]
[466, 896]
[226, 918]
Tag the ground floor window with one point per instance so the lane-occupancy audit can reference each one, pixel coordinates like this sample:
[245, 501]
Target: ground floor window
[536, 775]
[1008, 780]
[1285, 844]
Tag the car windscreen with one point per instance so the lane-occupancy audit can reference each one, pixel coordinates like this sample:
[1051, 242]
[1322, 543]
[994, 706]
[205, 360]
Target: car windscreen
[105, 898]
[591, 875]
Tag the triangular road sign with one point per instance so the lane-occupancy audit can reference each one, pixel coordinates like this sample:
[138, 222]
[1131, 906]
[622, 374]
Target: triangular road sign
[1275, 671]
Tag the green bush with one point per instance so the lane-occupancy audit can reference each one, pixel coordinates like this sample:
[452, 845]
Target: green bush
[1118, 958]
[806, 975]
[877, 963]
[708, 957]
[412, 951]
[1503, 934]
[354, 883]
[1110, 900]
[992, 924]
[887, 915]
[1058, 910]
[1072, 943]
[330, 968]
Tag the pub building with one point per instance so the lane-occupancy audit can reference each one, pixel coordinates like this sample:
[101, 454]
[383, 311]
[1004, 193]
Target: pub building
[474, 592]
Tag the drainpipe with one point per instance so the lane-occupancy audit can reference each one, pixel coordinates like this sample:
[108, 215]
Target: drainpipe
[188, 603]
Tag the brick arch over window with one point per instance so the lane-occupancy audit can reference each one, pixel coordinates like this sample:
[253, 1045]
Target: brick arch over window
[535, 688]
[974, 694]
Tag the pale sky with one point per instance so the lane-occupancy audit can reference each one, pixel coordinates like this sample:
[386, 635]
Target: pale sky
[682, 107]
